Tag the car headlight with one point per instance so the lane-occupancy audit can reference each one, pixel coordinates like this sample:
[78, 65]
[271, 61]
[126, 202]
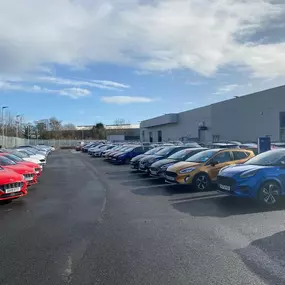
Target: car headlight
[248, 173]
[187, 170]
[166, 165]
[225, 167]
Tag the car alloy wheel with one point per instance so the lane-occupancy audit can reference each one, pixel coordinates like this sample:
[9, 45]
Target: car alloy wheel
[269, 193]
[202, 182]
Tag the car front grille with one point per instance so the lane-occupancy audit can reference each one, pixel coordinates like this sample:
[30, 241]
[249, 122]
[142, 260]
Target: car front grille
[12, 185]
[29, 175]
[226, 181]
[153, 169]
[170, 174]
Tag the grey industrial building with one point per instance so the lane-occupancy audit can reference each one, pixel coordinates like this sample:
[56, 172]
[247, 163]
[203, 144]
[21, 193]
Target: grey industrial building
[244, 118]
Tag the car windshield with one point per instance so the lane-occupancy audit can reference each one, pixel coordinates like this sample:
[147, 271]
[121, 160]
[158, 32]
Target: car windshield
[273, 157]
[165, 151]
[4, 161]
[14, 158]
[153, 150]
[20, 154]
[180, 154]
[31, 152]
[202, 156]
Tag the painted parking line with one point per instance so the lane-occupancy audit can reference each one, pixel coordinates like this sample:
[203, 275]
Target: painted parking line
[155, 186]
[141, 179]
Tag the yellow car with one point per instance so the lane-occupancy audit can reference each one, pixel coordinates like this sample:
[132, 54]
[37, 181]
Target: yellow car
[202, 168]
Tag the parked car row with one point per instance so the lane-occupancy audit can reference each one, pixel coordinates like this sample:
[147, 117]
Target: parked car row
[20, 168]
[234, 170]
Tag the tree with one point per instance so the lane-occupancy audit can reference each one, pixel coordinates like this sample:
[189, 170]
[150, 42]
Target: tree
[69, 127]
[41, 130]
[98, 131]
[55, 128]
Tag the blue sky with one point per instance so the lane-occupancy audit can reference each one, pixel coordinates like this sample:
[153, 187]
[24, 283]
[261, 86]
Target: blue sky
[97, 61]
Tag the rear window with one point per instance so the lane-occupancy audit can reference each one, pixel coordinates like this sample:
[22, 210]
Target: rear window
[238, 155]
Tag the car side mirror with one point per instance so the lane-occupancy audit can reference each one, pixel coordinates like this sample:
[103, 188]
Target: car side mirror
[214, 163]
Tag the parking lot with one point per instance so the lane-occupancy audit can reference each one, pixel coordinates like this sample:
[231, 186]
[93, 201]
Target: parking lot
[91, 222]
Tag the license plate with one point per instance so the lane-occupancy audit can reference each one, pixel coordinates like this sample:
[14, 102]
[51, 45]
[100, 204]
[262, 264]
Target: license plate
[29, 178]
[169, 178]
[153, 172]
[225, 187]
[13, 190]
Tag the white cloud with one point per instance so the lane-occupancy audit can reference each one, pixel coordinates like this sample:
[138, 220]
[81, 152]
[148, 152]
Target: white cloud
[102, 84]
[226, 89]
[121, 100]
[162, 35]
[74, 93]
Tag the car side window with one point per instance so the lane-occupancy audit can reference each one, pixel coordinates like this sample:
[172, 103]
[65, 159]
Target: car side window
[223, 157]
[238, 155]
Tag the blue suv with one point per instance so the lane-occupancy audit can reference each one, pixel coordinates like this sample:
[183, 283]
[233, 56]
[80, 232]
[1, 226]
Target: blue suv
[262, 177]
[126, 156]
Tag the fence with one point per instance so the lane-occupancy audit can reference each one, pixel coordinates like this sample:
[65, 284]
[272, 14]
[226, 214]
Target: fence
[13, 142]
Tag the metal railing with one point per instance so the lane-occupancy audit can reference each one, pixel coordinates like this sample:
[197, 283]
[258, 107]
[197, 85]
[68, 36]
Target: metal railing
[14, 142]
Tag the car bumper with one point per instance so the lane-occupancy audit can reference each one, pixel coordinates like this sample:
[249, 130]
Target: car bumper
[157, 172]
[12, 196]
[134, 165]
[240, 188]
[143, 168]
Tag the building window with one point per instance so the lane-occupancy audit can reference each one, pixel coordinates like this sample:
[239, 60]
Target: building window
[143, 136]
[150, 137]
[159, 136]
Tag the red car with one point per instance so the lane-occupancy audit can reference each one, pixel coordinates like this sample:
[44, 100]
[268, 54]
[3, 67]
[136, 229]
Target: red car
[78, 148]
[38, 169]
[29, 173]
[12, 185]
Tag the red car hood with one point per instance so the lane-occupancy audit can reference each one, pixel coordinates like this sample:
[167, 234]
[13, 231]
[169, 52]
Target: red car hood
[9, 176]
[21, 169]
[29, 164]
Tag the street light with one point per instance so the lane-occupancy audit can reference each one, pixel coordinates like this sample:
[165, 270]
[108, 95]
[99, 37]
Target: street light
[2, 115]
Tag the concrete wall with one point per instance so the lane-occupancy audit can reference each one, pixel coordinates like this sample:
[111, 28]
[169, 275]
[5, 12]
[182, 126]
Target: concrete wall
[188, 124]
[249, 117]
[161, 120]
[244, 118]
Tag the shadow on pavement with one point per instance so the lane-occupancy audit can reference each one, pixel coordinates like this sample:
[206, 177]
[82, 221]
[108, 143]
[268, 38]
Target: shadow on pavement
[167, 190]
[265, 257]
[222, 207]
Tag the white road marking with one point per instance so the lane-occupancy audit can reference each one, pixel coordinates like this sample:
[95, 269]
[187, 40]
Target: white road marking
[141, 179]
[68, 270]
[155, 186]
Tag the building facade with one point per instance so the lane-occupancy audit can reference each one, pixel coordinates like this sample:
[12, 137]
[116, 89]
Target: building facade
[244, 118]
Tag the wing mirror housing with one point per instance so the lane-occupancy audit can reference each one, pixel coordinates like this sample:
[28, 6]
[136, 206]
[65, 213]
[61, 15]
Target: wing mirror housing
[214, 163]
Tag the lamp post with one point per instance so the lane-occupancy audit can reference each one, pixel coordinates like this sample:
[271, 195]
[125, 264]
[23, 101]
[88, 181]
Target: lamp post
[3, 127]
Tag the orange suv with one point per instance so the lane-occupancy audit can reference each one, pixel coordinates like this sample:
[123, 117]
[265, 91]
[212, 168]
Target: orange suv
[202, 168]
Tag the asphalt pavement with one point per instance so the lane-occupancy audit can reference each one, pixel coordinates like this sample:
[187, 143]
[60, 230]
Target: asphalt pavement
[90, 222]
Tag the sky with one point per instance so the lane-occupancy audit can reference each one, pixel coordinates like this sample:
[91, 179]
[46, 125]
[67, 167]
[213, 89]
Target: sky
[89, 61]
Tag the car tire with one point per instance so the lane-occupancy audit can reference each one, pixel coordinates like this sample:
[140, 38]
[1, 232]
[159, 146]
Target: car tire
[269, 193]
[201, 182]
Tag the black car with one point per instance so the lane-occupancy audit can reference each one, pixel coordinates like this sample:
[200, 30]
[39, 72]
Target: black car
[147, 161]
[158, 168]
[136, 160]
